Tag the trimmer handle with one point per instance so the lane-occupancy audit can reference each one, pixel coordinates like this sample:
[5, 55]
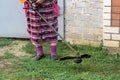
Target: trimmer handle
[32, 1]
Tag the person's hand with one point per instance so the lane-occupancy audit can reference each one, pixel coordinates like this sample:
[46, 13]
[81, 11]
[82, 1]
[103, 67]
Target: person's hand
[23, 1]
[39, 1]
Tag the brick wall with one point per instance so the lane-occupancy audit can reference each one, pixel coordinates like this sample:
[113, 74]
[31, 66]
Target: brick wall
[111, 30]
[84, 21]
[115, 13]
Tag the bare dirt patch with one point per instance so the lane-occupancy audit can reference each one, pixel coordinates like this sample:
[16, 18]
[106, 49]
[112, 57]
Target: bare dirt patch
[4, 63]
[15, 48]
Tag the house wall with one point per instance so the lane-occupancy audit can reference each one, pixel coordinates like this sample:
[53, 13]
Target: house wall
[111, 30]
[84, 21]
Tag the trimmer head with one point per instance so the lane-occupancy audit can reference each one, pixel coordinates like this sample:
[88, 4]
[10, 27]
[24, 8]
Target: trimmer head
[77, 58]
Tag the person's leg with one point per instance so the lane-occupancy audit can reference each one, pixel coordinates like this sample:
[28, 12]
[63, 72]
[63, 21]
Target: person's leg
[39, 49]
[53, 46]
[35, 32]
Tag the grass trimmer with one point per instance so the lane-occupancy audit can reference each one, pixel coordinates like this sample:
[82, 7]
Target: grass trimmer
[77, 58]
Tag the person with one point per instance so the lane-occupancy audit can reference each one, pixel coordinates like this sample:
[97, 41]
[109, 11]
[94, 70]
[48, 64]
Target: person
[39, 30]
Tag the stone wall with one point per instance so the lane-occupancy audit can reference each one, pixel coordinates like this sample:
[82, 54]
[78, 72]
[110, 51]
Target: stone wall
[84, 21]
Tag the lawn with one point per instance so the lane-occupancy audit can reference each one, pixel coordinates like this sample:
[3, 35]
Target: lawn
[101, 66]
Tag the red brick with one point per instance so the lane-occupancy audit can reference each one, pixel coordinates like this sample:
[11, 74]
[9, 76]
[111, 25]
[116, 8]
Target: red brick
[116, 3]
[116, 23]
[116, 16]
[115, 13]
[115, 9]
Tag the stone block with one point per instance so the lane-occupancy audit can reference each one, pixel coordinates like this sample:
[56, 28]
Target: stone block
[107, 9]
[107, 22]
[106, 36]
[107, 2]
[109, 43]
[115, 36]
[107, 16]
[111, 29]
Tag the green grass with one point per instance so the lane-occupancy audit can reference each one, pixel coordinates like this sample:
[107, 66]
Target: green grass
[7, 55]
[101, 66]
[5, 42]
